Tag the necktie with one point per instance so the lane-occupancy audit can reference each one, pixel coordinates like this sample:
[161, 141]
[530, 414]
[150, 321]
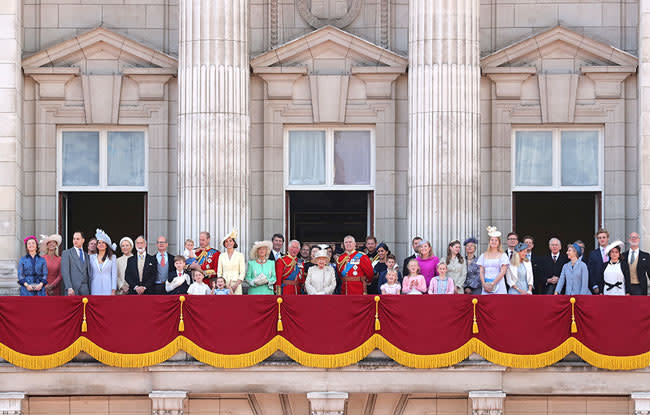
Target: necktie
[554, 259]
[162, 260]
[81, 256]
[632, 257]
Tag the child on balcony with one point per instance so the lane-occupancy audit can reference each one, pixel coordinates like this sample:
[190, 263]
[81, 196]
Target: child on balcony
[391, 286]
[440, 284]
[219, 287]
[198, 287]
[413, 282]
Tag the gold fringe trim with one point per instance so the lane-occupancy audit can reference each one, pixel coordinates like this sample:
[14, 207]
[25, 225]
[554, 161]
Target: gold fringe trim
[376, 341]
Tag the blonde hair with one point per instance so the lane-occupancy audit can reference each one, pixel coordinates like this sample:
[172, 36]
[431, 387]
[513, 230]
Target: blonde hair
[499, 249]
[419, 271]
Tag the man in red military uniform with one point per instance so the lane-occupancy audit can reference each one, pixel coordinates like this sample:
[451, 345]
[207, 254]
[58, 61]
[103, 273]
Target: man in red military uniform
[207, 258]
[353, 268]
[289, 272]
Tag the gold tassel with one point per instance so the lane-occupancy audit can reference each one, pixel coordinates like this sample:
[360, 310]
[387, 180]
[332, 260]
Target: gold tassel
[474, 323]
[574, 326]
[84, 325]
[181, 323]
[280, 328]
[377, 325]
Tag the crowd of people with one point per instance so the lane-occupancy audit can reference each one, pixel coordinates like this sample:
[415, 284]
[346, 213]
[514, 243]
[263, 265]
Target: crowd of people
[95, 268]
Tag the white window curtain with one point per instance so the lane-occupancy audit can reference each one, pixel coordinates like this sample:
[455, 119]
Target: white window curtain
[126, 158]
[307, 157]
[80, 158]
[534, 158]
[580, 158]
[352, 157]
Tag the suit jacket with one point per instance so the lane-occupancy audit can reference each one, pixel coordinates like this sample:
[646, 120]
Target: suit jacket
[547, 269]
[596, 267]
[642, 270]
[75, 274]
[149, 272]
[272, 257]
[535, 262]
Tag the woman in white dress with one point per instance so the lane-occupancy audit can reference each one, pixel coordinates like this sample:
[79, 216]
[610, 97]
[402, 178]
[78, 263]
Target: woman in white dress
[617, 270]
[232, 264]
[126, 245]
[320, 278]
[103, 266]
[494, 264]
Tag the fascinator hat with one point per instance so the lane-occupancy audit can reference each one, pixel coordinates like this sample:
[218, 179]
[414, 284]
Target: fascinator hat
[100, 235]
[232, 235]
[47, 239]
[493, 232]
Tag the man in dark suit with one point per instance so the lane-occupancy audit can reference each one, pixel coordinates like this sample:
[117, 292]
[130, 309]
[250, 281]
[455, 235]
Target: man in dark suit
[276, 252]
[75, 267]
[512, 240]
[141, 269]
[415, 244]
[597, 262]
[550, 268]
[164, 266]
[639, 264]
[534, 259]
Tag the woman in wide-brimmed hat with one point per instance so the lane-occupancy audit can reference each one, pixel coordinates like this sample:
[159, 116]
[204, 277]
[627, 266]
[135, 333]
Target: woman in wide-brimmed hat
[50, 249]
[231, 265]
[260, 276]
[617, 271]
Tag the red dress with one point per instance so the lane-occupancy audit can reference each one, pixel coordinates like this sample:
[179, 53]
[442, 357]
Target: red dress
[53, 274]
[290, 275]
[355, 271]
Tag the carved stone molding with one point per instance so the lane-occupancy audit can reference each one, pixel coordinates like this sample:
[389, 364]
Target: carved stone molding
[487, 402]
[340, 22]
[327, 403]
[52, 81]
[273, 23]
[508, 81]
[608, 80]
[167, 402]
[557, 93]
[641, 403]
[11, 403]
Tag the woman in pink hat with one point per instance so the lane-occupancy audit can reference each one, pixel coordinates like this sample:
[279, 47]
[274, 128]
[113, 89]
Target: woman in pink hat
[50, 249]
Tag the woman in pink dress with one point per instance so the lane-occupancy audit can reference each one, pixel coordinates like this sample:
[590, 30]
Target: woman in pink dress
[428, 262]
[50, 251]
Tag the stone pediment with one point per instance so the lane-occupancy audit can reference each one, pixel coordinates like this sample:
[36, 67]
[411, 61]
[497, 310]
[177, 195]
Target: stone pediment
[327, 51]
[558, 50]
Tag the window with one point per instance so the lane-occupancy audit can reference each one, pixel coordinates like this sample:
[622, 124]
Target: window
[104, 159]
[557, 159]
[335, 158]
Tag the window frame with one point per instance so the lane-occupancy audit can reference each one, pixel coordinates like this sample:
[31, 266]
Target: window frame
[556, 171]
[103, 186]
[329, 157]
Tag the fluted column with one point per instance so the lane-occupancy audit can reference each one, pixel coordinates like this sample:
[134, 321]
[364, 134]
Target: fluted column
[487, 402]
[168, 402]
[644, 122]
[11, 403]
[444, 77]
[213, 81]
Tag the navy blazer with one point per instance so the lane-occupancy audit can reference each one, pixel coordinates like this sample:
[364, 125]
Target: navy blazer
[642, 270]
[596, 268]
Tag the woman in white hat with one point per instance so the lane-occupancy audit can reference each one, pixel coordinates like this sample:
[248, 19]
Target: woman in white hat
[260, 276]
[50, 249]
[320, 278]
[617, 271]
[126, 246]
[231, 265]
[103, 266]
[494, 265]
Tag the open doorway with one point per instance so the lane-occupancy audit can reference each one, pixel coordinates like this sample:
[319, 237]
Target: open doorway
[118, 213]
[327, 216]
[568, 216]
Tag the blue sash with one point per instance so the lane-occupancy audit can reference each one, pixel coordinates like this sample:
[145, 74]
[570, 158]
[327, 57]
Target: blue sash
[350, 265]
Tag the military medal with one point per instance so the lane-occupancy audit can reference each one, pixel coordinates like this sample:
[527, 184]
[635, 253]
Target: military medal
[355, 273]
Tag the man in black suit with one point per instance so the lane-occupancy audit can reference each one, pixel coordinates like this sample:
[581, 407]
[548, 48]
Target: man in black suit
[597, 262]
[551, 268]
[141, 269]
[534, 259]
[278, 242]
[415, 244]
[512, 240]
[639, 264]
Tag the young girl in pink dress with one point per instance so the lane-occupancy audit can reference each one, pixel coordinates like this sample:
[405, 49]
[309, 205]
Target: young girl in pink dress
[413, 282]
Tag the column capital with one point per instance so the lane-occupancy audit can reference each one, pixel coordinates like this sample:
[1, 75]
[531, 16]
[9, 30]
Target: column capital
[327, 403]
[487, 402]
[11, 403]
[641, 403]
[167, 402]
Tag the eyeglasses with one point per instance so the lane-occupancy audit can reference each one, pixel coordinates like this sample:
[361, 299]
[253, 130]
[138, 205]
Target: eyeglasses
[162, 242]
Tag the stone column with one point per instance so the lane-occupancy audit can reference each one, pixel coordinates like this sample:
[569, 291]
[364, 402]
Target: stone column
[644, 122]
[213, 119]
[327, 403]
[167, 402]
[487, 402]
[11, 403]
[11, 142]
[444, 77]
[641, 402]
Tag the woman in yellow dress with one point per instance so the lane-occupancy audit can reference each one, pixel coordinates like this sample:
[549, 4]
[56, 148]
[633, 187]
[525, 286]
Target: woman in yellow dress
[232, 266]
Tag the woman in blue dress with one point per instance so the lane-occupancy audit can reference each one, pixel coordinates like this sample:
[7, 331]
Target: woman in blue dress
[520, 271]
[494, 264]
[103, 266]
[32, 270]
